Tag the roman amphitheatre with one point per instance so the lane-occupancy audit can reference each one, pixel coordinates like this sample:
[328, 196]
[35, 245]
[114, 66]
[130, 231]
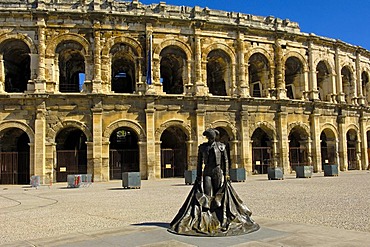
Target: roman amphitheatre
[104, 87]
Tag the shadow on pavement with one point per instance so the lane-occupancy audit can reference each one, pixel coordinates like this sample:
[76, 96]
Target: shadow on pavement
[159, 224]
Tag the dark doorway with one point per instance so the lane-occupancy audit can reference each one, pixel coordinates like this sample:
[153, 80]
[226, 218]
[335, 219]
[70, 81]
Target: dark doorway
[123, 153]
[298, 155]
[261, 151]
[71, 153]
[328, 148]
[14, 157]
[352, 150]
[173, 153]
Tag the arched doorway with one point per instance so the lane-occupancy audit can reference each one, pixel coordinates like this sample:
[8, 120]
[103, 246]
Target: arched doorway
[173, 153]
[14, 157]
[261, 151]
[347, 84]
[298, 150]
[352, 150]
[328, 148]
[123, 153]
[71, 153]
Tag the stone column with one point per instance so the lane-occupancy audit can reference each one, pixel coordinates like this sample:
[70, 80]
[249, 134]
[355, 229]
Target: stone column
[40, 84]
[50, 163]
[188, 83]
[150, 142]
[91, 163]
[233, 86]
[280, 84]
[200, 79]
[282, 124]
[97, 143]
[342, 143]
[314, 93]
[243, 86]
[39, 143]
[143, 159]
[105, 159]
[316, 146]
[96, 82]
[192, 155]
[246, 158]
[234, 154]
[364, 147]
[338, 79]
[360, 94]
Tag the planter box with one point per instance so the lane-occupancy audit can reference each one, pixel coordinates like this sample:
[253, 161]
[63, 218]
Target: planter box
[237, 175]
[190, 176]
[275, 173]
[331, 170]
[131, 180]
[303, 171]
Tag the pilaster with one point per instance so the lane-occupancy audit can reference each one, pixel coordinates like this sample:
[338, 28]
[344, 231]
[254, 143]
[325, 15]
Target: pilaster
[282, 123]
[97, 143]
[316, 142]
[150, 142]
[364, 146]
[342, 142]
[39, 144]
[246, 158]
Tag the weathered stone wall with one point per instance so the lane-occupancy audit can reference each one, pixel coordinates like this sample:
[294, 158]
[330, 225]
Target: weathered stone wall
[307, 83]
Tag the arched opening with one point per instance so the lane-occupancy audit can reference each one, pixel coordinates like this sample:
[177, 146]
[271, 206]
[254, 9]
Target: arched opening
[352, 151]
[123, 69]
[294, 78]
[258, 71]
[261, 151]
[173, 153]
[328, 148]
[323, 81]
[71, 153]
[173, 61]
[365, 86]
[218, 72]
[123, 153]
[347, 84]
[71, 66]
[298, 151]
[14, 157]
[16, 65]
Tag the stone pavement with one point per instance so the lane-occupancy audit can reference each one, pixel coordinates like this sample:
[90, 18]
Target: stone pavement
[272, 233]
[104, 214]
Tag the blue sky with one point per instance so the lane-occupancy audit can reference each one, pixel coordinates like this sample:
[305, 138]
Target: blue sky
[345, 20]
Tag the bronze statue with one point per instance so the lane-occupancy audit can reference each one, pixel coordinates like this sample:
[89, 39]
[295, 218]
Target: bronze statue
[216, 210]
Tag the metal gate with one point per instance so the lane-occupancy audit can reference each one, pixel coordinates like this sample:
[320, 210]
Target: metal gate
[14, 168]
[123, 160]
[352, 158]
[261, 157]
[172, 163]
[297, 156]
[70, 162]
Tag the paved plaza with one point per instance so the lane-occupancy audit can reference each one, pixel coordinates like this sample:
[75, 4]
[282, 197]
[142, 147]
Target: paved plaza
[317, 211]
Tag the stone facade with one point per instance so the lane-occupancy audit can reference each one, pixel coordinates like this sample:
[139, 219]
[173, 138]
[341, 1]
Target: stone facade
[74, 94]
